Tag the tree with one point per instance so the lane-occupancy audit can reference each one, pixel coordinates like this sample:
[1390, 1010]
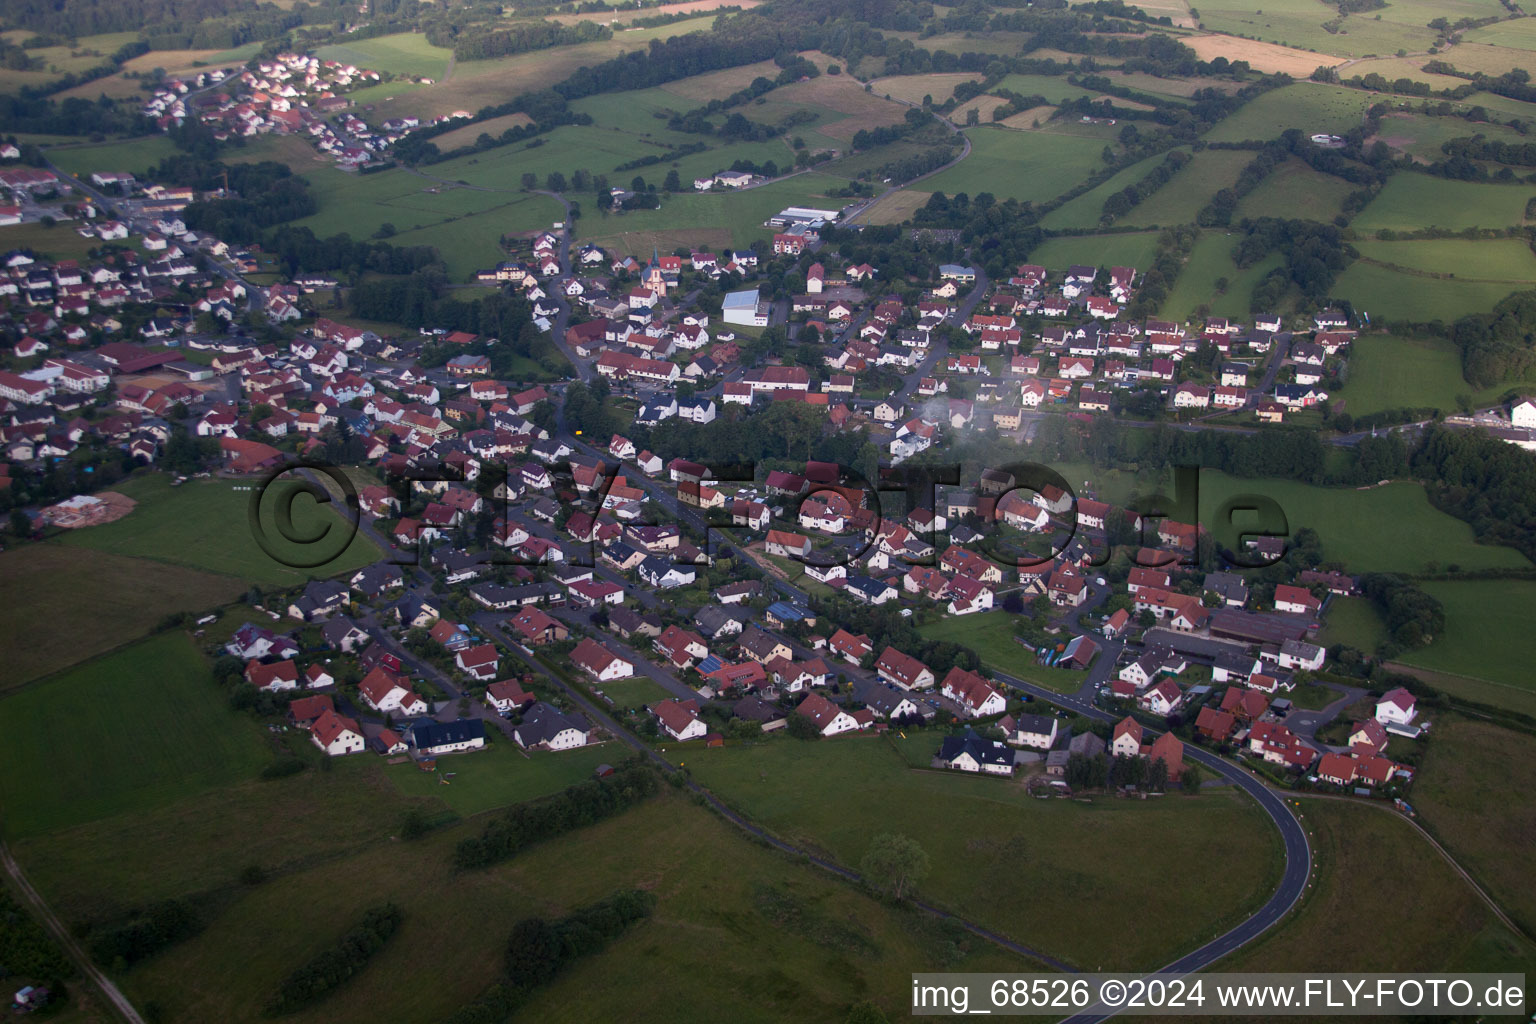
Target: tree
[21, 523]
[555, 181]
[530, 180]
[865, 1012]
[1191, 778]
[894, 863]
[802, 728]
[672, 183]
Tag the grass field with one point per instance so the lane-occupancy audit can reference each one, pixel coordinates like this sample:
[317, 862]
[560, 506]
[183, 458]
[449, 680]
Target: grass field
[719, 913]
[1387, 293]
[1410, 202]
[1463, 791]
[1361, 852]
[637, 691]
[1075, 905]
[1122, 249]
[740, 213]
[1190, 190]
[991, 636]
[501, 775]
[895, 208]
[1054, 89]
[1209, 261]
[136, 729]
[68, 604]
[472, 242]
[205, 525]
[406, 53]
[1085, 210]
[1422, 136]
[1020, 165]
[136, 156]
[1383, 529]
[61, 242]
[1305, 105]
[1516, 33]
[1295, 190]
[1486, 624]
[1354, 621]
[1298, 23]
[467, 135]
[1387, 372]
[1506, 260]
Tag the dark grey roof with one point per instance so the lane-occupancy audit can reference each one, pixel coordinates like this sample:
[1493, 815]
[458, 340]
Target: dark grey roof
[424, 733]
[543, 722]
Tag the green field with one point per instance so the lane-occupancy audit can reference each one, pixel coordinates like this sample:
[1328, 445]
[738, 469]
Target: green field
[1031, 166]
[136, 156]
[636, 691]
[1353, 621]
[1120, 249]
[1084, 211]
[1055, 90]
[67, 604]
[1387, 372]
[991, 636]
[1295, 190]
[1304, 105]
[1388, 294]
[1487, 625]
[1360, 851]
[205, 525]
[1463, 792]
[134, 730]
[1421, 136]
[1410, 202]
[60, 242]
[1383, 529]
[1299, 23]
[501, 775]
[1209, 261]
[407, 53]
[1088, 904]
[1190, 190]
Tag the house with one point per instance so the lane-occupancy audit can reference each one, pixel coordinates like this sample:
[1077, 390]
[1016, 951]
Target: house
[384, 692]
[336, 734]
[478, 662]
[508, 696]
[1037, 731]
[1368, 734]
[787, 545]
[547, 728]
[1126, 739]
[1215, 725]
[1168, 749]
[976, 697]
[1396, 707]
[972, 753]
[281, 675]
[901, 669]
[681, 647]
[854, 648]
[1338, 769]
[536, 627]
[599, 662]
[1162, 699]
[433, 739]
[1295, 600]
[303, 712]
[829, 719]
[680, 719]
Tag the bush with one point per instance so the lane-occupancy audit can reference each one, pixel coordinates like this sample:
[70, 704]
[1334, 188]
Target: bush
[328, 970]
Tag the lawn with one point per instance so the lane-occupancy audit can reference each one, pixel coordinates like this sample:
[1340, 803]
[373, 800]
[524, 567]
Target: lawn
[470, 133]
[1362, 852]
[1119, 249]
[738, 932]
[1383, 529]
[406, 53]
[1074, 893]
[1210, 261]
[501, 775]
[473, 241]
[1410, 202]
[1389, 372]
[1190, 191]
[134, 730]
[1304, 105]
[1294, 190]
[1419, 298]
[67, 604]
[637, 691]
[1354, 621]
[1464, 792]
[1487, 629]
[991, 636]
[136, 156]
[1031, 166]
[204, 524]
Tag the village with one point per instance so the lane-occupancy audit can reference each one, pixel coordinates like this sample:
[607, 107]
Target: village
[597, 560]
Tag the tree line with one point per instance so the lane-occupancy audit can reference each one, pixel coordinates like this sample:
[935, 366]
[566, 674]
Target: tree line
[329, 969]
